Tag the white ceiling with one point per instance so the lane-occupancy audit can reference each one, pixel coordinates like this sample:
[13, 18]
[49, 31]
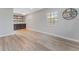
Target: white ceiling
[25, 11]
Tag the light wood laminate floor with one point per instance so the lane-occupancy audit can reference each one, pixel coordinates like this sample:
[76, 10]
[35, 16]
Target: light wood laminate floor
[25, 40]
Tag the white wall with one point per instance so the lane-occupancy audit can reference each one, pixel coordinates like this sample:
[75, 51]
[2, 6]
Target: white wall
[65, 28]
[6, 25]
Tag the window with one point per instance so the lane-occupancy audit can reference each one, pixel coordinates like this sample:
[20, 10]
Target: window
[52, 17]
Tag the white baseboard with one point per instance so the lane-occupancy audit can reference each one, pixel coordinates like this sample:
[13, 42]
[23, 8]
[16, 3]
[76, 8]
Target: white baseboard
[54, 35]
[7, 34]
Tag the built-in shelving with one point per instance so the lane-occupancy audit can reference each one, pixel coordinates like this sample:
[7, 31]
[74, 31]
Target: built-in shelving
[19, 22]
[18, 19]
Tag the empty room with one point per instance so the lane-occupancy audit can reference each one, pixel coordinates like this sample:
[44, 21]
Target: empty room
[39, 29]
